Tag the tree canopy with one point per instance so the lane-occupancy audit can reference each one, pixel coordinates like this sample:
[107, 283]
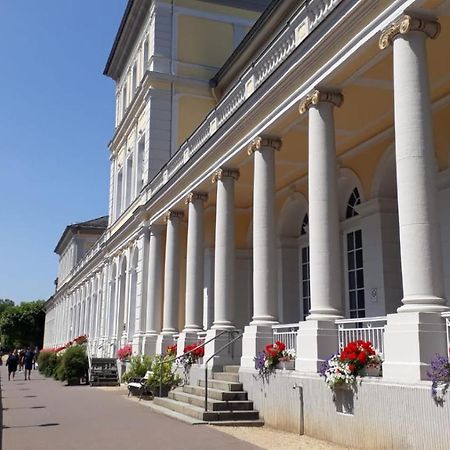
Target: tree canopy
[22, 325]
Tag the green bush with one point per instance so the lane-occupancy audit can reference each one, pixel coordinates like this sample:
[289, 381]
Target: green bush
[138, 367]
[48, 363]
[163, 373]
[74, 364]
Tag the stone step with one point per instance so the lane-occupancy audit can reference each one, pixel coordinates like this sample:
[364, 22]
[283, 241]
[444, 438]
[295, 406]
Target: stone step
[215, 394]
[226, 376]
[222, 385]
[231, 369]
[213, 405]
[207, 416]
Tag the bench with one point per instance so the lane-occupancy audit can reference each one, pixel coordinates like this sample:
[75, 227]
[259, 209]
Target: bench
[139, 385]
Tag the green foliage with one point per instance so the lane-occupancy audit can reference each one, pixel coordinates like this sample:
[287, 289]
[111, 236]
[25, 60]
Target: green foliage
[48, 363]
[22, 325]
[74, 364]
[163, 373]
[138, 367]
[5, 303]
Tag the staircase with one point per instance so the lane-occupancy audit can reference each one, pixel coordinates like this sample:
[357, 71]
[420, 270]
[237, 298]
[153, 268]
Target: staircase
[103, 372]
[228, 403]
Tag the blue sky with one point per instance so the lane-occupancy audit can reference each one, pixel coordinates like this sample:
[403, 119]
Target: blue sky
[56, 119]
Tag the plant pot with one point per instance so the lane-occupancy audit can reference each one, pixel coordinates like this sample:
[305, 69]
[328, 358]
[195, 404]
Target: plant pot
[164, 391]
[286, 365]
[372, 371]
[73, 382]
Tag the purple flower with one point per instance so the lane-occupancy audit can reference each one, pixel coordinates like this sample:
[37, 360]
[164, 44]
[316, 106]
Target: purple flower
[439, 374]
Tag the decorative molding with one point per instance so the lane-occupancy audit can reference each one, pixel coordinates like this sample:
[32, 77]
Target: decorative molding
[316, 96]
[203, 196]
[262, 142]
[225, 173]
[404, 25]
[170, 215]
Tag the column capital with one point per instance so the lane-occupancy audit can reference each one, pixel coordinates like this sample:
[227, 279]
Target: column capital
[202, 196]
[262, 142]
[404, 25]
[223, 172]
[318, 96]
[173, 215]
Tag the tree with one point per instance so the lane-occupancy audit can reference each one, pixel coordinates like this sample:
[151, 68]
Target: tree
[5, 303]
[23, 325]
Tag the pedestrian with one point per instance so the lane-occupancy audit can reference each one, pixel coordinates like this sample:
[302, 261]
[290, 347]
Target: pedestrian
[28, 359]
[36, 354]
[21, 356]
[12, 362]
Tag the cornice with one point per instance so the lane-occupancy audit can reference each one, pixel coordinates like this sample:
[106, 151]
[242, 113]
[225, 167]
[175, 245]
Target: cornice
[196, 196]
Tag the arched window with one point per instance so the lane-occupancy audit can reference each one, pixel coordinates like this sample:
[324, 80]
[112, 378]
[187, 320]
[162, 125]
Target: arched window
[304, 229]
[353, 201]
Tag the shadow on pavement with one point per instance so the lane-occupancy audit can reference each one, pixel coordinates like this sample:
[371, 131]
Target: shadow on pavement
[32, 426]
[24, 407]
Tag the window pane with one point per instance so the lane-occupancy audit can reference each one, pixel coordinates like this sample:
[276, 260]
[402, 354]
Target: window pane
[350, 241]
[359, 258]
[361, 302]
[360, 278]
[358, 239]
[353, 300]
[351, 261]
[351, 280]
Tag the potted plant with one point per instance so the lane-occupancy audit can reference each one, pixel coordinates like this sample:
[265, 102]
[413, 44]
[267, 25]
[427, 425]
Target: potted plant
[439, 374]
[163, 377]
[266, 361]
[287, 360]
[358, 359]
[74, 365]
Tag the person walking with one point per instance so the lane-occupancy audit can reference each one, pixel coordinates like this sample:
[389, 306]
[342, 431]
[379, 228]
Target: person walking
[28, 359]
[12, 362]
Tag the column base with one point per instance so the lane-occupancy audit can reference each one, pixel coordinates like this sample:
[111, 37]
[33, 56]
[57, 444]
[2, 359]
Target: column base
[149, 344]
[186, 338]
[423, 304]
[228, 356]
[138, 339]
[411, 340]
[163, 341]
[316, 341]
[255, 338]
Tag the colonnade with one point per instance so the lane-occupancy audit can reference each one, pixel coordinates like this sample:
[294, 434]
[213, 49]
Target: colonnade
[157, 296]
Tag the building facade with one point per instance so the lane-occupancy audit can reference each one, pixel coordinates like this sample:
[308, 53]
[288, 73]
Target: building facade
[280, 166]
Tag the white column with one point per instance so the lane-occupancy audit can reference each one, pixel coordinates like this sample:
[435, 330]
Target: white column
[317, 337]
[259, 332]
[418, 325]
[194, 270]
[171, 281]
[224, 266]
[154, 290]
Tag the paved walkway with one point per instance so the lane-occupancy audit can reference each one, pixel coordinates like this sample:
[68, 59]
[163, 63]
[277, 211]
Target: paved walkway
[44, 414]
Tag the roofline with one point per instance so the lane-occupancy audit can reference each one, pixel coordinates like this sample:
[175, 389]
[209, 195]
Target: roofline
[265, 17]
[118, 36]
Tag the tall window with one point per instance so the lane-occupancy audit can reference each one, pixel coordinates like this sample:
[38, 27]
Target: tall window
[145, 54]
[140, 165]
[355, 267]
[305, 272]
[129, 186]
[133, 79]
[124, 99]
[119, 194]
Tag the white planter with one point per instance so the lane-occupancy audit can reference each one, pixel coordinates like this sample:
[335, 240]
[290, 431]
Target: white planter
[286, 365]
[373, 371]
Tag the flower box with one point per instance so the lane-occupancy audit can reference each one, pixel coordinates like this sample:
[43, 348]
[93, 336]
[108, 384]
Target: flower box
[286, 365]
[372, 371]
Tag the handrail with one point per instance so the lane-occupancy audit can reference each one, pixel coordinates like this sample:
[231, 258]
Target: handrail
[209, 359]
[361, 319]
[184, 354]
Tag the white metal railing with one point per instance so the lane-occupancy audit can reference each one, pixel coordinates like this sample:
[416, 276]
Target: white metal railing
[286, 333]
[367, 329]
[446, 316]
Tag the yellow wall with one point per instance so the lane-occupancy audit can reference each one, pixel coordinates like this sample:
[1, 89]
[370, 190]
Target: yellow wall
[191, 112]
[202, 41]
